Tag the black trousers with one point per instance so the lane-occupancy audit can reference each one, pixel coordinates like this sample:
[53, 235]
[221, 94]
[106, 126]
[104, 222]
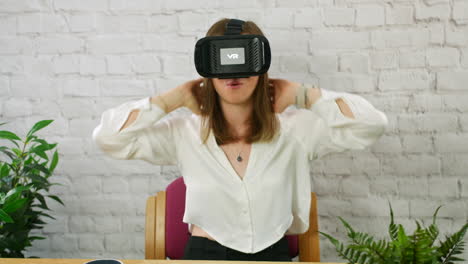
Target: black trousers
[202, 248]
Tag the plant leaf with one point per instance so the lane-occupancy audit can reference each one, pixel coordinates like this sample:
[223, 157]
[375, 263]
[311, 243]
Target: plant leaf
[54, 162]
[56, 198]
[5, 217]
[42, 147]
[333, 240]
[4, 170]
[351, 231]
[435, 214]
[453, 245]
[14, 193]
[46, 215]
[40, 140]
[15, 205]
[8, 153]
[31, 238]
[41, 154]
[38, 126]
[18, 152]
[38, 167]
[9, 135]
[392, 228]
[43, 202]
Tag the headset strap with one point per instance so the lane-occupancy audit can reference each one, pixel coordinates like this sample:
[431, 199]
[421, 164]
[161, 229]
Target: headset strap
[234, 27]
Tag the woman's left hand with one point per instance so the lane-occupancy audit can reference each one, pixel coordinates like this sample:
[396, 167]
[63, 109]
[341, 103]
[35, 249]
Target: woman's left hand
[283, 93]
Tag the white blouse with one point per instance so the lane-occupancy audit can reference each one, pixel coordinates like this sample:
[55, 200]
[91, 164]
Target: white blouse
[273, 198]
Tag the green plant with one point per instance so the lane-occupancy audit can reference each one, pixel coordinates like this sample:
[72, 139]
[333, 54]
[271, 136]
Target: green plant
[23, 181]
[417, 248]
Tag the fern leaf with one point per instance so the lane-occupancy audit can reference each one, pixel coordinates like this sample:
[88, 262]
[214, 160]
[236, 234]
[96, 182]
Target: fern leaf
[333, 240]
[351, 231]
[402, 246]
[422, 252]
[347, 253]
[453, 245]
[435, 214]
[392, 228]
[378, 252]
[433, 232]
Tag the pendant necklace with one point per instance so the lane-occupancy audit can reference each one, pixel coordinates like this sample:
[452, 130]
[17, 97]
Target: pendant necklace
[239, 158]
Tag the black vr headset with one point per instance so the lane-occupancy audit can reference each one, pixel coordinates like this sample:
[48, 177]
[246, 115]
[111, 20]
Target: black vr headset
[232, 55]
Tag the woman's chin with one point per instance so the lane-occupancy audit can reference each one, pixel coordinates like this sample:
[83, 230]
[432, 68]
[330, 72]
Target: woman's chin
[239, 101]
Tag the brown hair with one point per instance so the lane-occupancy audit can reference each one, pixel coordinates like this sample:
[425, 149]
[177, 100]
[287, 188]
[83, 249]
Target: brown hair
[263, 123]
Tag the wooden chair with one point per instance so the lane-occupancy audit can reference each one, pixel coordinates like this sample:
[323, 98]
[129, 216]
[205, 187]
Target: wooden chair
[166, 235]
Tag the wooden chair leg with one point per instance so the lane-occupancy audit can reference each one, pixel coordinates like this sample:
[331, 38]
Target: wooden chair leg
[309, 247]
[161, 225]
[150, 228]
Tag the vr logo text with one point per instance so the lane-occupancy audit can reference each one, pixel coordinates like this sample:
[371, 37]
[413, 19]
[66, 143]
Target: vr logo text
[233, 56]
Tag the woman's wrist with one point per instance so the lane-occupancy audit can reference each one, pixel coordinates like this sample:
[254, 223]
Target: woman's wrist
[301, 96]
[313, 94]
[306, 95]
[169, 100]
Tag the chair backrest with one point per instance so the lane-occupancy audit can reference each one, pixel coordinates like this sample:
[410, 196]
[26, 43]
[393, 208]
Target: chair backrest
[166, 235]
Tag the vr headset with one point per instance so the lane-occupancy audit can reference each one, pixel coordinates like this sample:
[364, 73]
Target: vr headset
[232, 55]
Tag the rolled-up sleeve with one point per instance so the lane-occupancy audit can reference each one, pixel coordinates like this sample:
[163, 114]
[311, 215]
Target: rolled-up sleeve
[148, 138]
[324, 129]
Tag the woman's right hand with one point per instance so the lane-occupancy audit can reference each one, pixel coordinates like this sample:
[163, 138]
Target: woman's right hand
[191, 92]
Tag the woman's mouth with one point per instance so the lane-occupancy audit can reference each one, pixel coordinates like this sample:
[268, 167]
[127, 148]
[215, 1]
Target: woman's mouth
[234, 84]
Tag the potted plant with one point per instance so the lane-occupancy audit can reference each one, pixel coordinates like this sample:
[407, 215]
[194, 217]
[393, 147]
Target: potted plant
[401, 248]
[24, 185]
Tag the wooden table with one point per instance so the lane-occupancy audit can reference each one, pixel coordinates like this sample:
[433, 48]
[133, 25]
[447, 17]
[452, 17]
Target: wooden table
[131, 261]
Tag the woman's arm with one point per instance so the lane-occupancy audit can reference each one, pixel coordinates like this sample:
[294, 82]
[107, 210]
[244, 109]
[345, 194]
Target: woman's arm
[172, 97]
[314, 93]
[286, 93]
[341, 121]
[344, 108]
[133, 130]
[349, 121]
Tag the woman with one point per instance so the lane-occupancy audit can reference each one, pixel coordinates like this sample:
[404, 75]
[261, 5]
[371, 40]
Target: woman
[245, 163]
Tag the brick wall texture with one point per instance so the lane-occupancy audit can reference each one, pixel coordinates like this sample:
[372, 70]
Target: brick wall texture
[69, 60]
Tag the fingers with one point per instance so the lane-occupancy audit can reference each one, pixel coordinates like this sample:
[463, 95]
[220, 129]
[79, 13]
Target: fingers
[198, 80]
[271, 82]
[272, 93]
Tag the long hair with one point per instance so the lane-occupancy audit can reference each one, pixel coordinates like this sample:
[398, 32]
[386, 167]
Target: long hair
[263, 124]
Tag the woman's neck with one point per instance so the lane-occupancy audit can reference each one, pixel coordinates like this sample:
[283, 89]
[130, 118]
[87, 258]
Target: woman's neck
[237, 116]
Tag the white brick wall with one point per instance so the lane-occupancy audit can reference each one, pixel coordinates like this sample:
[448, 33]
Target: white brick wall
[69, 60]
